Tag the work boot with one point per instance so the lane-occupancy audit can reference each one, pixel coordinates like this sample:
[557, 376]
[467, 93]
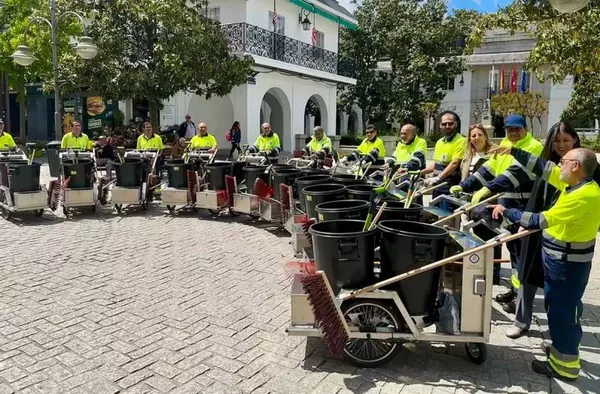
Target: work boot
[506, 297]
[509, 307]
[544, 368]
[515, 332]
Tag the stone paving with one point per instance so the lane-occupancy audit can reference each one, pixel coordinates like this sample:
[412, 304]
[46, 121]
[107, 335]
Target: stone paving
[148, 303]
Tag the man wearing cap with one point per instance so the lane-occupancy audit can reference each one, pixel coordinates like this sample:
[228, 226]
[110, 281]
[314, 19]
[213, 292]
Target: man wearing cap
[503, 174]
[187, 129]
[6, 140]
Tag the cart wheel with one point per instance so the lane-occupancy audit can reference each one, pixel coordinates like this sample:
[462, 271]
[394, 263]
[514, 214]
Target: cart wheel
[119, 208]
[233, 213]
[371, 316]
[477, 352]
[171, 208]
[65, 211]
[6, 214]
[214, 211]
[38, 212]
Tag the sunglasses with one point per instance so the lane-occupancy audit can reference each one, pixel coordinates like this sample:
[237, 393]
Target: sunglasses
[369, 131]
[447, 124]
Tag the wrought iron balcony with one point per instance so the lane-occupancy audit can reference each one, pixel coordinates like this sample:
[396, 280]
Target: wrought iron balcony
[246, 38]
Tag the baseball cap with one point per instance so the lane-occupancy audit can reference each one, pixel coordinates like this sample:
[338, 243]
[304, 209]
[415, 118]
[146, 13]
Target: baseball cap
[515, 121]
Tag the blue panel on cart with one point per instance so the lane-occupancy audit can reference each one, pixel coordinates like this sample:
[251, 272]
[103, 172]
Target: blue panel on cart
[466, 241]
[439, 212]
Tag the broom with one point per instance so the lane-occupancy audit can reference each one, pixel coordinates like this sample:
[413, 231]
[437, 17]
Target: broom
[411, 189]
[262, 190]
[377, 195]
[465, 209]
[324, 304]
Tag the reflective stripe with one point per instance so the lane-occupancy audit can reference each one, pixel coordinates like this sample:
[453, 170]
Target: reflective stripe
[512, 179]
[526, 218]
[418, 160]
[580, 258]
[481, 179]
[527, 172]
[564, 364]
[531, 163]
[516, 196]
[514, 279]
[547, 170]
[571, 245]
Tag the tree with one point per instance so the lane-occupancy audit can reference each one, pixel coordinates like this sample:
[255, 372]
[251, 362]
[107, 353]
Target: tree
[421, 42]
[152, 49]
[530, 105]
[566, 46]
[429, 110]
[15, 15]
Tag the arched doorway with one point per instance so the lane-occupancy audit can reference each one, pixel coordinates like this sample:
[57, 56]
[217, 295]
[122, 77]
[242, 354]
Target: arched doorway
[315, 110]
[353, 122]
[275, 109]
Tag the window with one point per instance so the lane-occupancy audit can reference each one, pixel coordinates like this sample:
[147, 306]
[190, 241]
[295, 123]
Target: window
[213, 13]
[279, 26]
[320, 39]
[450, 84]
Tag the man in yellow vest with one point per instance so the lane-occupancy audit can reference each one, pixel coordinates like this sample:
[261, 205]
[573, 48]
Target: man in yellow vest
[370, 150]
[568, 243]
[75, 139]
[267, 142]
[6, 140]
[203, 140]
[410, 151]
[448, 154]
[320, 144]
[149, 140]
[503, 174]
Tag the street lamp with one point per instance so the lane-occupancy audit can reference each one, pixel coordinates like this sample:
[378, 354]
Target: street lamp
[85, 48]
[567, 6]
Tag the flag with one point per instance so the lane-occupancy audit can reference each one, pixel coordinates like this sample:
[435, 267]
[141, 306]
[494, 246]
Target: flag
[501, 88]
[513, 80]
[523, 80]
[275, 17]
[492, 81]
[314, 36]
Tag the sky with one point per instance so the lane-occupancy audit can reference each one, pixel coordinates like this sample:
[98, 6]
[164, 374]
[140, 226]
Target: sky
[479, 5]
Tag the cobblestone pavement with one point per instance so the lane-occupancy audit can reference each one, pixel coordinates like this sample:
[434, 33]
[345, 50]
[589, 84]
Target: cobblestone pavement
[148, 303]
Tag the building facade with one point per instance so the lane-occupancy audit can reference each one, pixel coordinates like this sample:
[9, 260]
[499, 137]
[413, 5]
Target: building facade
[294, 63]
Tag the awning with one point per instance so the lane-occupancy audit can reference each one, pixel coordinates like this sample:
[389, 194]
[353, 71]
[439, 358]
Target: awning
[324, 14]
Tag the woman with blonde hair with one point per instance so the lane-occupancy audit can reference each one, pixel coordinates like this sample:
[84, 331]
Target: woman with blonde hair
[477, 150]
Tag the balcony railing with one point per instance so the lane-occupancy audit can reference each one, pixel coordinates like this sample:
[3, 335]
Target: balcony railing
[246, 38]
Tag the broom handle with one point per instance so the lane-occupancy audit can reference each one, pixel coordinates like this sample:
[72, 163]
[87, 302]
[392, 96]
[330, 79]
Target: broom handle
[429, 189]
[496, 242]
[379, 213]
[466, 209]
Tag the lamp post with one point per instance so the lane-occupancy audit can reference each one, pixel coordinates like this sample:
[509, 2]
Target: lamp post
[568, 6]
[85, 48]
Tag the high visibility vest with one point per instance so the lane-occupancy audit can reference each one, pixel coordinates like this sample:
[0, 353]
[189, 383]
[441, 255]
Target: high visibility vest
[203, 142]
[155, 142]
[70, 141]
[405, 152]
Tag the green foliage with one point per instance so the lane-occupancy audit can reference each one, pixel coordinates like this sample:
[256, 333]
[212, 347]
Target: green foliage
[351, 139]
[420, 40]
[152, 49]
[566, 45]
[591, 143]
[531, 105]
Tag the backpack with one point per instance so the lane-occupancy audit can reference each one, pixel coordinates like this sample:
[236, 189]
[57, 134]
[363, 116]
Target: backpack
[228, 136]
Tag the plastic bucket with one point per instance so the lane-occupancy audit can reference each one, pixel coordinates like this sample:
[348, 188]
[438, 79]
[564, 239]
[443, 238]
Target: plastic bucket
[344, 252]
[347, 179]
[395, 210]
[313, 171]
[317, 194]
[237, 168]
[342, 209]
[177, 173]
[305, 181]
[252, 173]
[283, 175]
[216, 175]
[406, 246]
[129, 173]
[23, 177]
[80, 173]
[4, 169]
[360, 192]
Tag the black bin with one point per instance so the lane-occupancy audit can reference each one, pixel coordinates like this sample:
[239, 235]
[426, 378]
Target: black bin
[4, 169]
[317, 194]
[216, 174]
[313, 171]
[344, 252]
[342, 209]
[395, 210]
[177, 172]
[347, 179]
[53, 150]
[360, 192]
[282, 175]
[129, 173]
[78, 172]
[406, 246]
[23, 177]
[252, 173]
[305, 181]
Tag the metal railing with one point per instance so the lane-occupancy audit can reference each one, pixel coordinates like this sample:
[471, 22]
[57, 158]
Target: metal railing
[254, 40]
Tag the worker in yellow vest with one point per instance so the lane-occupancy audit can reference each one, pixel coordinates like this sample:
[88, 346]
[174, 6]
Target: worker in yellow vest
[203, 140]
[149, 140]
[370, 150]
[568, 243]
[6, 140]
[268, 143]
[75, 139]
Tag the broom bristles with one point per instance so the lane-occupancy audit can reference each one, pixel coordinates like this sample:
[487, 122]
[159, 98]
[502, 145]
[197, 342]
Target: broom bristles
[284, 202]
[327, 316]
[262, 190]
[293, 268]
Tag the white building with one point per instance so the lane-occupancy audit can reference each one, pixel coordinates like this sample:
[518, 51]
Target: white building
[467, 92]
[290, 69]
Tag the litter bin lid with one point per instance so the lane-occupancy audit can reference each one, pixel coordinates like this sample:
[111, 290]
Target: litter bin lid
[53, 144]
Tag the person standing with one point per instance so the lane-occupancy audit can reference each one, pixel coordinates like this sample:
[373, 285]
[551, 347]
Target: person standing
[187, 129]
[235, 135]
[570, 228]
[447, 155]
[477, 150]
